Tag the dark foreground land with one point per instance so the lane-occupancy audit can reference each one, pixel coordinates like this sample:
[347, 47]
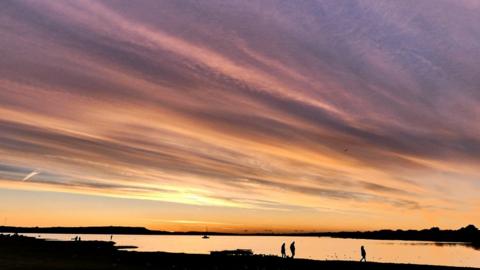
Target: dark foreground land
[18, 252]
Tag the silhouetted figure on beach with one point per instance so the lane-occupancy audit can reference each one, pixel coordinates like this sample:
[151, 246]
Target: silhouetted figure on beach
[292, 249]
[364, 254]
[284, 253]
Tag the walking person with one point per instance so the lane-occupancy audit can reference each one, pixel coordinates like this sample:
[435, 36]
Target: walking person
[284, 254]
[292, 249]
[364, 254]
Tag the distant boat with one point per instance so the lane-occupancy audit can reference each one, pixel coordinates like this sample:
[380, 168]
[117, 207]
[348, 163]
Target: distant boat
[205, 236]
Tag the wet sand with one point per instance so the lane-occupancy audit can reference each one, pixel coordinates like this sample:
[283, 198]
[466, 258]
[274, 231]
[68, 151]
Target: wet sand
[30, 253]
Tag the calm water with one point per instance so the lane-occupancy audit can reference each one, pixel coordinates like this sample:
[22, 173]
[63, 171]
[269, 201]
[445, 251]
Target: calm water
[320, 248]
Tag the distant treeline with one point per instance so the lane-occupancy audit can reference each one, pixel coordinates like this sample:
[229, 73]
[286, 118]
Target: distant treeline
[77, 230]
[466, 234]
[95, 230]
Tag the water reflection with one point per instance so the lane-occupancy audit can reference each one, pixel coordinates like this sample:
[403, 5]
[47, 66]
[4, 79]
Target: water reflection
[439, 244]
[320, 248]
[425, 243]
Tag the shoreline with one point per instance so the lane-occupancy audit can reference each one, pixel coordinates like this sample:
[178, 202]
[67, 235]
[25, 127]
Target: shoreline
[262, 235]
[21, 252]
[468, 235]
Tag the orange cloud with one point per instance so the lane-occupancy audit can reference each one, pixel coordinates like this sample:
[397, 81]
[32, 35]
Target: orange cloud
[363, 116]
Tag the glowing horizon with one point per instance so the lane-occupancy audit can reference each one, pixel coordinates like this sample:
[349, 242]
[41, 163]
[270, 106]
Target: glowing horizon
[239, 115]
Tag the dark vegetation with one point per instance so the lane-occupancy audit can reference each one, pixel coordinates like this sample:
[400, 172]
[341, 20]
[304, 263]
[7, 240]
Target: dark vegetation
[466, 234]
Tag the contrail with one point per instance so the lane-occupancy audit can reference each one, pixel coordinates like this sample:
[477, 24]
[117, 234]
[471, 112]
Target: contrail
[30, 175]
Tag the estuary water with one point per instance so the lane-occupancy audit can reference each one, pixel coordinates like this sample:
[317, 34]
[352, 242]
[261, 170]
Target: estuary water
[318, 248]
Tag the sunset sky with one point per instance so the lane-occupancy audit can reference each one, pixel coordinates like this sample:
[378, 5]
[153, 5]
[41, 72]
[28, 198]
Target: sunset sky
[240, 115]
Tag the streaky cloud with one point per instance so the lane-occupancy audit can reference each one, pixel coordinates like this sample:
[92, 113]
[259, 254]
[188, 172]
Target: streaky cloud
[247, 105]
[30, 175]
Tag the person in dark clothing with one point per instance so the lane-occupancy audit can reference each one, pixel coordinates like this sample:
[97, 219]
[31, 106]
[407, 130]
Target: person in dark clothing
[292, 249]
[284, 254]
[364, 254]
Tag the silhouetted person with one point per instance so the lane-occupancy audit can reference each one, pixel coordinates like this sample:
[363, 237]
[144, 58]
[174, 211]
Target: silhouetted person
[284, 254]
[364, 254]
[292, 249]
